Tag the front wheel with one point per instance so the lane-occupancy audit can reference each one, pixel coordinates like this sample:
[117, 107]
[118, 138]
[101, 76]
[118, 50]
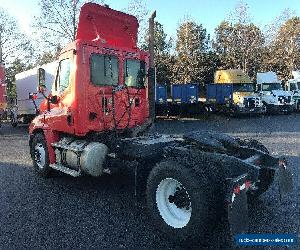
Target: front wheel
[178, 202]
[39, 154]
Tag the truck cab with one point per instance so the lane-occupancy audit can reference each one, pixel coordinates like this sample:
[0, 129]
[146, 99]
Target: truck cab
[273, 96]
[100, 85]
[243, 97]
[293, 86]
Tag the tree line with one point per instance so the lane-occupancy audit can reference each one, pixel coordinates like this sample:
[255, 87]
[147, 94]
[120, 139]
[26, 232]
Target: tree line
[193, 56]
[237, 43]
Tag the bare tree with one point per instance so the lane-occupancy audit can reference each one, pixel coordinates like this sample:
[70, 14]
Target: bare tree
[271, 29]
[138, 8]
[58, 20]
[13, 43]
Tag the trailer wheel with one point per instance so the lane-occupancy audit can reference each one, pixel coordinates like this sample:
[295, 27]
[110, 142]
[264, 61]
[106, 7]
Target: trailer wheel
[178, 202]
[39, 154]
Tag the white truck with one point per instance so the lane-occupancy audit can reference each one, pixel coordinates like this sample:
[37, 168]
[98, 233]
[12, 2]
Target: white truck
[27, 82]
[293, 86]
[273, 96]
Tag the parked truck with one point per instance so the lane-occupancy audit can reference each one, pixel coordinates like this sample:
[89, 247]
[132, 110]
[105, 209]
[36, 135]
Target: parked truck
[293, 86]
[273, 96]
[27, 84]
[233, 92]
[97, 121]
[3, 97]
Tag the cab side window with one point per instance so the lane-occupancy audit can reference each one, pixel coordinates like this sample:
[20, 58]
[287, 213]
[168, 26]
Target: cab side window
[63, 76]
[104, 70]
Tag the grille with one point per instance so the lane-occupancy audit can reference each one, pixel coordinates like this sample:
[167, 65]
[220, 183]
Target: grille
[251, 102]
[284, 99]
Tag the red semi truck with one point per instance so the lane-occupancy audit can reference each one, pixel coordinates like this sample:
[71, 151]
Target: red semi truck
[3, 101]
[96, 119]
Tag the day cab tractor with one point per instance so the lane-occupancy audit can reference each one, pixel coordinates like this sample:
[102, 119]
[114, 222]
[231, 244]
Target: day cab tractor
[96, 121]
[272, 94]
[233, 92]
[293, 87]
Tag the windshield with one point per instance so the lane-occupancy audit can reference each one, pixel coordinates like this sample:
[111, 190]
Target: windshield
[298, 85]
[271, 86]
[134, 73]
[243, 87]
[293, 86]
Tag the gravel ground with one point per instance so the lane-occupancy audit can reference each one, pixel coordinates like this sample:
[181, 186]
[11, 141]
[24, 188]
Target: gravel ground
[63, 212]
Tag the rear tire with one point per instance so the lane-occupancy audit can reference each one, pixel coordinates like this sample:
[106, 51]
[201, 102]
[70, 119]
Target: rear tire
[40, 156]
[178, 201]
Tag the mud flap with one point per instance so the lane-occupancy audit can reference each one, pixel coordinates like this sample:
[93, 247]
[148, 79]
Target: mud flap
[285, 179]
[236, 205]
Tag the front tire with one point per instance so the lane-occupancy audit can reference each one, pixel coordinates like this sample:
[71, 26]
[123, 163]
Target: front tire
[178, 202]
[40, 156]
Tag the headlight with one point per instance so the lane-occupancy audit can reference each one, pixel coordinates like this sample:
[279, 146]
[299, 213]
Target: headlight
[240, 104]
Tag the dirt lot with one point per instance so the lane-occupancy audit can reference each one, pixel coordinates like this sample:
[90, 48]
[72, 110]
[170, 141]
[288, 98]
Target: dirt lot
[63, 212]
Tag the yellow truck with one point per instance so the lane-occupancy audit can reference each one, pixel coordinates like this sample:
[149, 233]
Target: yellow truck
[241, 97]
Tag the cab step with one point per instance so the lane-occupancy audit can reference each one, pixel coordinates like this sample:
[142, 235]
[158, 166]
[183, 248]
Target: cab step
[66, 170]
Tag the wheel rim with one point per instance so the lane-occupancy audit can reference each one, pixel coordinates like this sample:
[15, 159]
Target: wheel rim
[40, 155]
[173, 203]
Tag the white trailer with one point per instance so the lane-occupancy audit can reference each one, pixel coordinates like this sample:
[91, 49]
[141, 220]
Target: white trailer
[26, 83]
[293, 86]
[273, 96]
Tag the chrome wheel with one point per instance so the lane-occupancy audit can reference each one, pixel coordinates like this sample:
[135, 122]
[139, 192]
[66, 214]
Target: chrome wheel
[173, 203]
[40, 155]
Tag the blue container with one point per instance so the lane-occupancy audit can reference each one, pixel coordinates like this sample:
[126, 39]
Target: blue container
[161, 93]
[185, 93]
[219, 93]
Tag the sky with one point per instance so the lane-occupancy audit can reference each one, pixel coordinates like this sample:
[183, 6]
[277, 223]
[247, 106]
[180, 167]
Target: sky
[169, 13]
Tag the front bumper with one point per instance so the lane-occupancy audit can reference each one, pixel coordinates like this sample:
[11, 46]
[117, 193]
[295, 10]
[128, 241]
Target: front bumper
[249, 110]
[286, 108]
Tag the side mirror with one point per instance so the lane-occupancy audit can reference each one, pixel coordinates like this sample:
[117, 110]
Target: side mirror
[41, 79]
[33, 96]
